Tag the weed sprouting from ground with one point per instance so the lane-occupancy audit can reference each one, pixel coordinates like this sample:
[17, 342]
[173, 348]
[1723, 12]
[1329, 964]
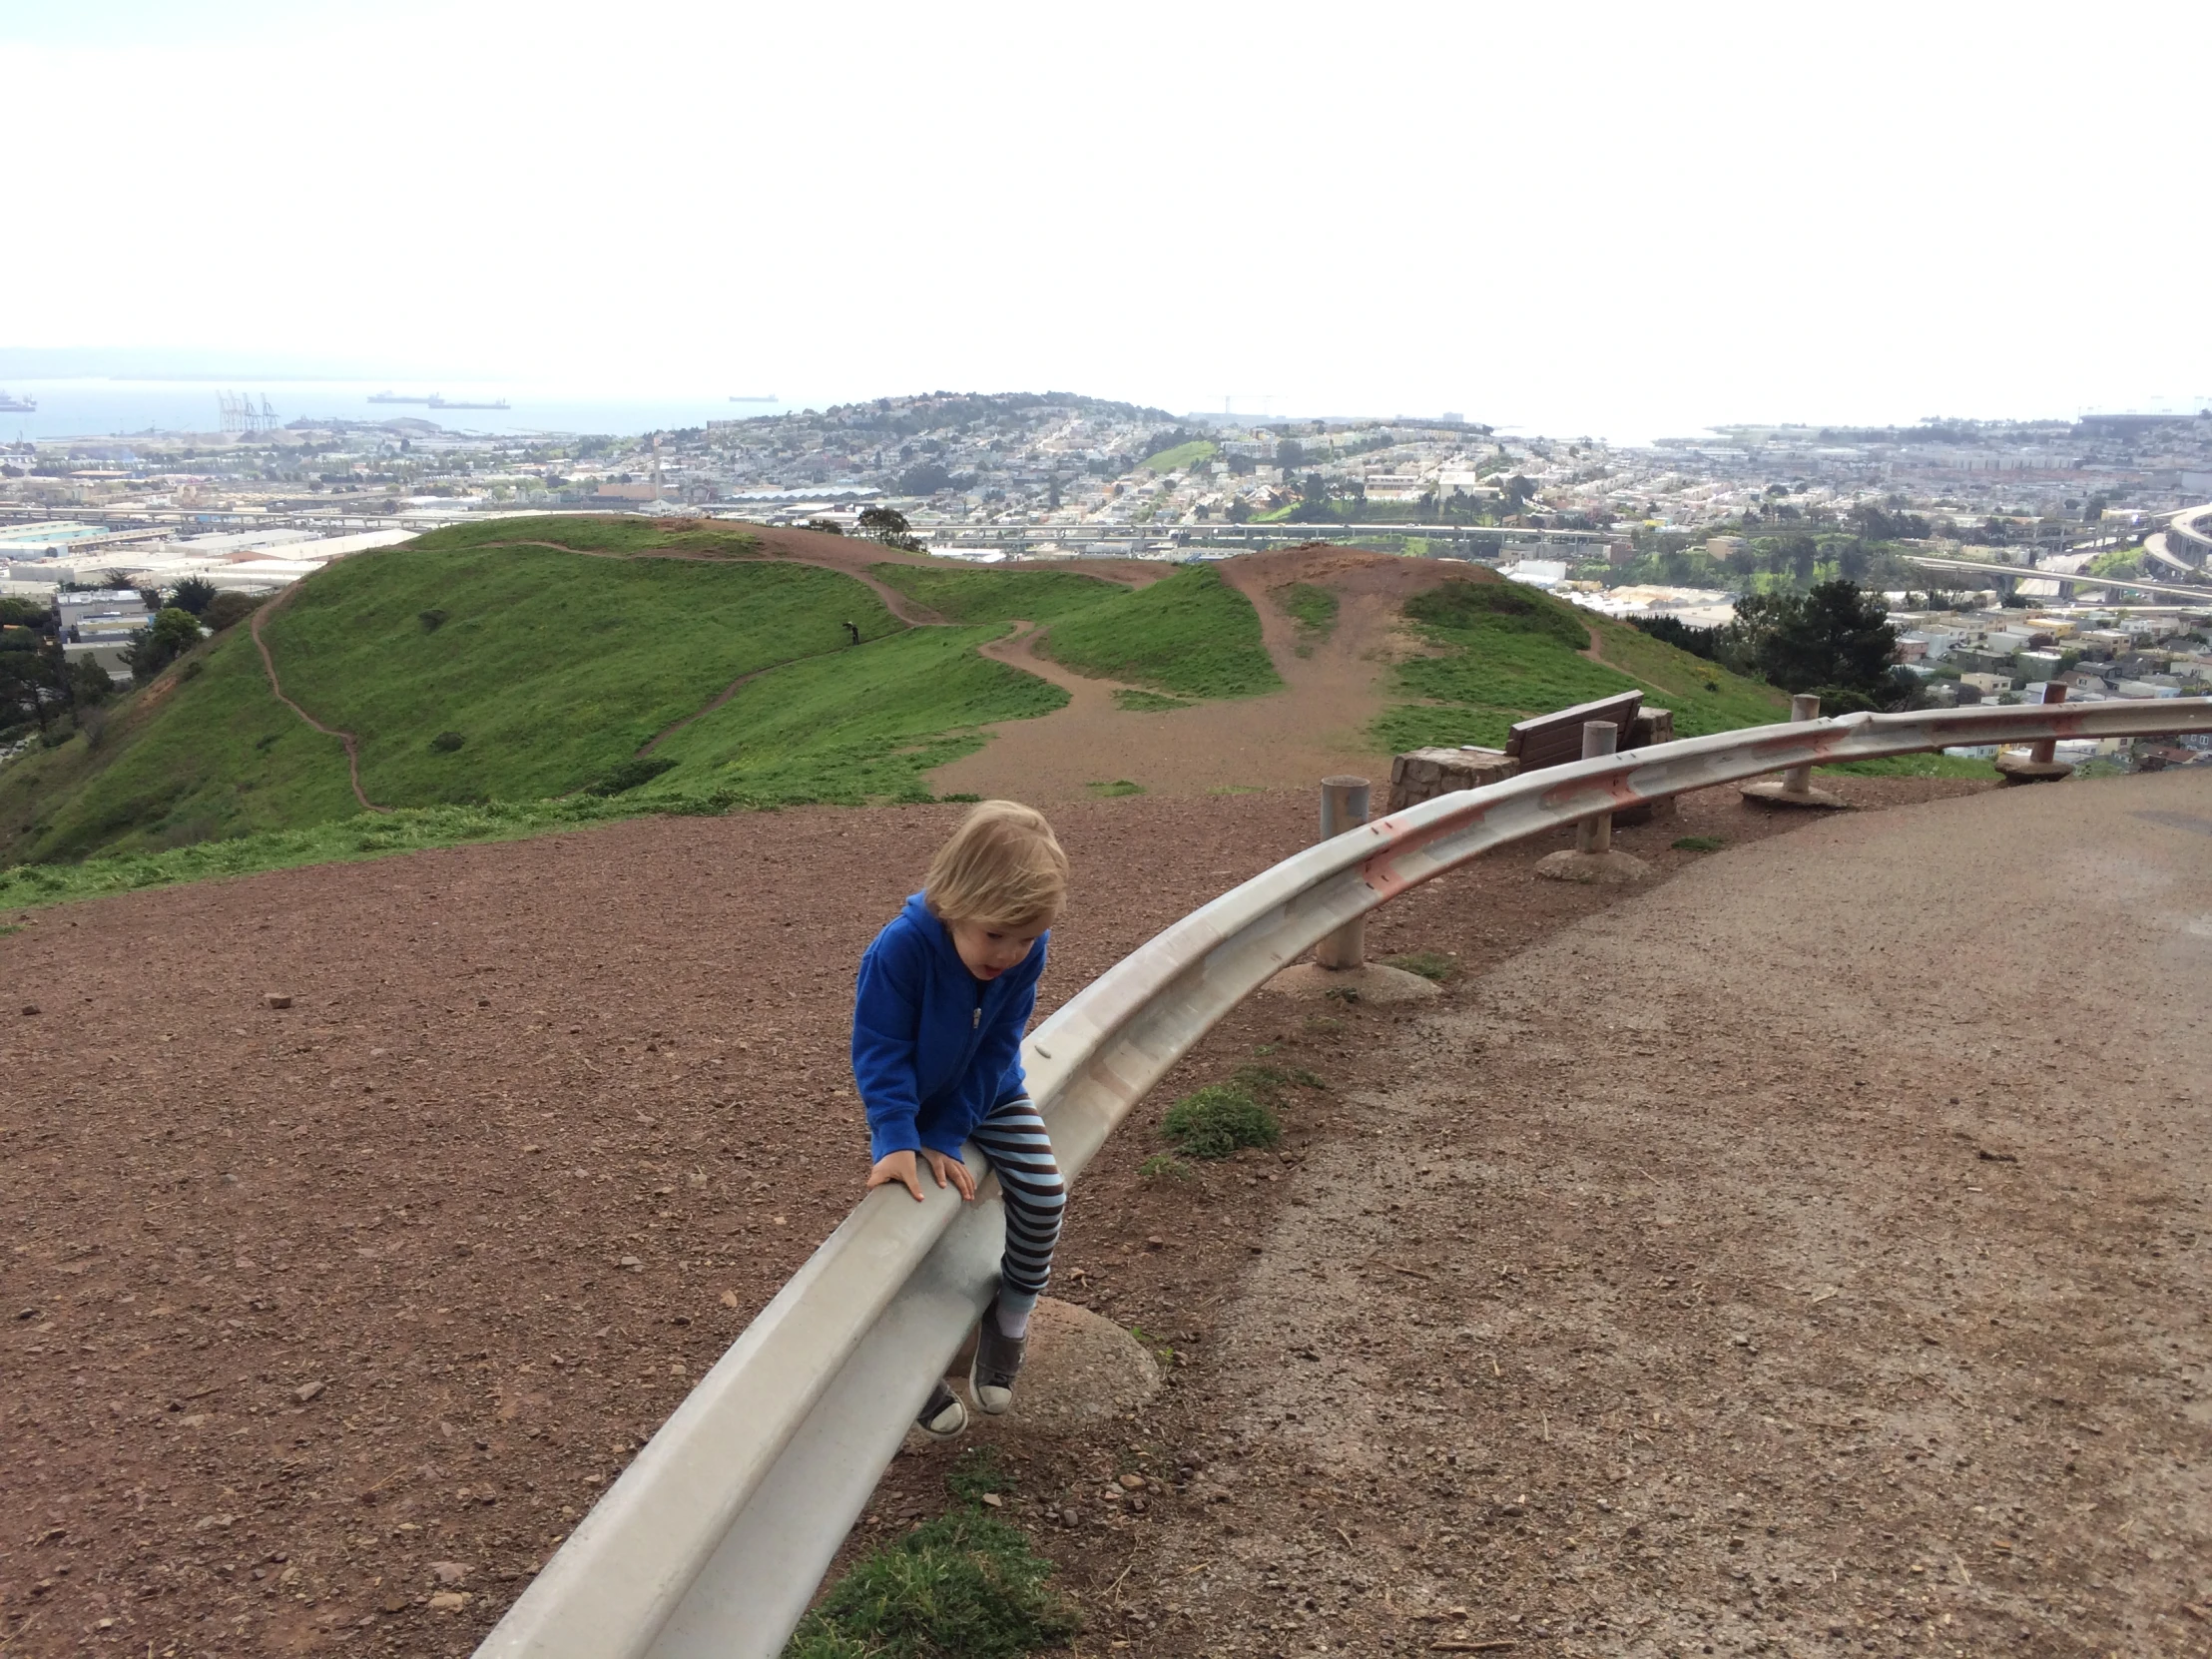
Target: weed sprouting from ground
[1698, 844]
[1215, 1121]
[963, 1586]
[1118, 786]
[1429, 964]
[1164, 1165]
[977, 1471]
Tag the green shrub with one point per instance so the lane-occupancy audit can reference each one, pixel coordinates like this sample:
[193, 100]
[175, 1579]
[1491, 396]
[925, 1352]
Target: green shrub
[431, 620]
[446, 742]
[962, 1586]
[1215, 1121]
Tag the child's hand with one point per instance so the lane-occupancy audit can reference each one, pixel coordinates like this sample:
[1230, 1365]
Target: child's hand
[940, 1166]
[899, 1167]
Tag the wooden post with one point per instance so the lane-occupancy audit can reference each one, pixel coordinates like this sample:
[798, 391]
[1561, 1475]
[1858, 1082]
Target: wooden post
[1344, 806]
[1595, 835]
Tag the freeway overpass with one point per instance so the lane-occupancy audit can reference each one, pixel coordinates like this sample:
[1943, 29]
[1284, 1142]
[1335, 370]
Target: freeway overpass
[2027, 573]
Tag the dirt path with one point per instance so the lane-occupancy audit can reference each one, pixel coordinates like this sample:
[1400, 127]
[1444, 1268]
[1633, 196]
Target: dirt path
[1317, 725]
[1753, 1267]
[276, 690]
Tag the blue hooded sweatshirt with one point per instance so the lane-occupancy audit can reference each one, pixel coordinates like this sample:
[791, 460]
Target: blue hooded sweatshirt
[934, 1047]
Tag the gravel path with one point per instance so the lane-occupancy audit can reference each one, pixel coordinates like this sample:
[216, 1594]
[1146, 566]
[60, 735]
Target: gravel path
[1805, 1256]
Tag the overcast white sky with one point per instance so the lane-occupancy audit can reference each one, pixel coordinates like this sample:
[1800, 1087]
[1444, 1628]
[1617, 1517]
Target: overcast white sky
[1613, 219]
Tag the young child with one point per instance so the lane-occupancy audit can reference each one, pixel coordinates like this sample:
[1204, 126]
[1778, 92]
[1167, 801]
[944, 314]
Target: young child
[943, 994]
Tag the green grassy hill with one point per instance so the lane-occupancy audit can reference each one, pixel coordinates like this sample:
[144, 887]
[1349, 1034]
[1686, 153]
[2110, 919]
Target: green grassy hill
[1190, 634]
[1501, 651]
[475, 674]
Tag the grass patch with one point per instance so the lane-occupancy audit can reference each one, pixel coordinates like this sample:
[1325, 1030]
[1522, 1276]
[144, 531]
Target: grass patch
[977, 1471]
[1312, 608]
[1215, 1121]
[1146, 702]
[970, 594]
[1504, 652]
[1164, 1165]
[1190, 634]
[364, 835]
[1429, 964]
[1698, 844]
[1913, 766]
[1182, 456]
[963, 1586]
[1120, 786]
[600, 533]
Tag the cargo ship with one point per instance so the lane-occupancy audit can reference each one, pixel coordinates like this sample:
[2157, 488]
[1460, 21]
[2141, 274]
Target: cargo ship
[441, 403]
[394, 397]
[12, 405]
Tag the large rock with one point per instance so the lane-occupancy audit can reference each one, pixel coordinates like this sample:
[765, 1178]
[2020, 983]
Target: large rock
[1081, 1370]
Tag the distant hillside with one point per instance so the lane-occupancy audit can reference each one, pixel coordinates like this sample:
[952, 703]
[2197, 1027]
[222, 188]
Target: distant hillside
[512, 676]
[474, 673]
[1499, 652]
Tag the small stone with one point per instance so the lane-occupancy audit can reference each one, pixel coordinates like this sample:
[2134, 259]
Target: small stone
[994, 1500]
[276, 999]
[629, 1263]
[1070, 1517]
[1132, 1482]
[729, 1299]
[30, 1008]
[307, 1391]
[1153, 1241]
[449, 1572]
[448, 1601]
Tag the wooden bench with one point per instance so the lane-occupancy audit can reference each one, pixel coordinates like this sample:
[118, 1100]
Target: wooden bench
[1555, 740]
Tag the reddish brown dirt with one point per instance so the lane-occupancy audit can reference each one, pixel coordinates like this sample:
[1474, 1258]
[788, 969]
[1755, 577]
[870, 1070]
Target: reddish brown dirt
[312, 1312]
[1317, 725]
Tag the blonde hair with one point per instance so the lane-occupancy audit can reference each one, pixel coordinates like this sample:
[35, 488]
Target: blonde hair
[1003, 868]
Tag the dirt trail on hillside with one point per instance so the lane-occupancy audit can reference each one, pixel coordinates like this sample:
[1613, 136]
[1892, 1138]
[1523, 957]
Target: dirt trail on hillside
[1317, 725]
[276, 690]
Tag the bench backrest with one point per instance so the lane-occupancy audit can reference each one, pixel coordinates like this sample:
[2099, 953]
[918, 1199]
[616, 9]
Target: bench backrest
[1554, 739]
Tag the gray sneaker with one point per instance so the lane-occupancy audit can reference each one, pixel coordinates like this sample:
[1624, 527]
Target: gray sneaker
[944, 1416]
[998, 1360]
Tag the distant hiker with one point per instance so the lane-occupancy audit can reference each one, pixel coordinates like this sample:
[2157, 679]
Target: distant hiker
[853, 628]
[943, 994]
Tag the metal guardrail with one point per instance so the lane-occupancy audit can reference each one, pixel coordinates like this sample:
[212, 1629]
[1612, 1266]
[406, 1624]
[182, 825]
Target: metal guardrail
[714, 1537]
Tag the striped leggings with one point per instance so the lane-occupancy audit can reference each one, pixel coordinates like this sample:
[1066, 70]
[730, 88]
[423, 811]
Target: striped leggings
[1013, 1142]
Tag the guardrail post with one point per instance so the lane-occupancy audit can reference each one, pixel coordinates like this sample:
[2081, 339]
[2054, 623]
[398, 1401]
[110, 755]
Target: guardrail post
[1595, 835]
[1344, 806]
[1795, 788]
[1592, 858]
[2042, 763]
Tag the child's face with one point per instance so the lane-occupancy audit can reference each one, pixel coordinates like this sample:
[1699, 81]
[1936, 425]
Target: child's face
[990, 951]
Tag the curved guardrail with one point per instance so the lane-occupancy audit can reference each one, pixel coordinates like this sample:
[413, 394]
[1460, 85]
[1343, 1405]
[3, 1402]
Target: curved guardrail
[714, 1537]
